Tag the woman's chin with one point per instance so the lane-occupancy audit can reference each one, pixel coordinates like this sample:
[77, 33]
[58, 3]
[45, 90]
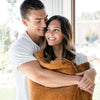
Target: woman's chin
[50, 44]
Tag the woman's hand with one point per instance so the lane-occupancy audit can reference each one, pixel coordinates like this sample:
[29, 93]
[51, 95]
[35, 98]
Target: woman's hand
[87, 82]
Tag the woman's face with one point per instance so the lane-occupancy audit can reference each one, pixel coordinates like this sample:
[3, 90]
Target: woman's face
[53, 35]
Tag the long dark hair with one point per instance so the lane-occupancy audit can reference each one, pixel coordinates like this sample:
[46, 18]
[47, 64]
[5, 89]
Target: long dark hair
[68, 47]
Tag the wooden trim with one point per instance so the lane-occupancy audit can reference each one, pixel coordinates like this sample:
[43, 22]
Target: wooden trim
[73, 18]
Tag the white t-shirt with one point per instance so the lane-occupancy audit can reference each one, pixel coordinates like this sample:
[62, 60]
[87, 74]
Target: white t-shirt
[22, 51]
[80, 58]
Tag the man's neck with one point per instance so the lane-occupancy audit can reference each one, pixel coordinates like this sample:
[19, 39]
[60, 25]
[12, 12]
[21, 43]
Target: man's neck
[37, 39]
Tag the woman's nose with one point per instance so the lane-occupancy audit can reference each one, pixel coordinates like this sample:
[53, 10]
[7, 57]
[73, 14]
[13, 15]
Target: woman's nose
[51, 32]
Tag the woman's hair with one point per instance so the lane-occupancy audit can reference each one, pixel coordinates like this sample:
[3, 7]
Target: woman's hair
[68, 47]
[28, 5]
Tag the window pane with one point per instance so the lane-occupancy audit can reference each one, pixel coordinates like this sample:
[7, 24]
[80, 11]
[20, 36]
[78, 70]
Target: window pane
[87, 35]
[9, 23]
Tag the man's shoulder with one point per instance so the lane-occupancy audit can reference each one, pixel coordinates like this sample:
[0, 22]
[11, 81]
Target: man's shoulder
[23, 40]
[23, 44]
[80, 58]
[80, 55]
[17, 44]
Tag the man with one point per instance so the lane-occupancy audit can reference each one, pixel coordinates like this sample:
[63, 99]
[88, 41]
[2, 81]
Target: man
[24, 63]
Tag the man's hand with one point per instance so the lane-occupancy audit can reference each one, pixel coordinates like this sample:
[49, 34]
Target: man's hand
[87, 82]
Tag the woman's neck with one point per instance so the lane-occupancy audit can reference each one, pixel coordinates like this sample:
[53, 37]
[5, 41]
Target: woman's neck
[58, 50]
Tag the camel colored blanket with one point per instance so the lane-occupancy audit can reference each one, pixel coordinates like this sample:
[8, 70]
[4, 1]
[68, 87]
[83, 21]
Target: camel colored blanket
[39, 92]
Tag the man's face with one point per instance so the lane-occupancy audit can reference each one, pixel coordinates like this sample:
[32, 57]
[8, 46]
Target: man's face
[36, 22]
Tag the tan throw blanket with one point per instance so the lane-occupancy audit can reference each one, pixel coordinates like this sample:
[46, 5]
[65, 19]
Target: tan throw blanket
[39, 92]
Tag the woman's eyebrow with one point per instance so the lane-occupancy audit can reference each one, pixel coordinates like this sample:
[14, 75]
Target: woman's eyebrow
[53, 27]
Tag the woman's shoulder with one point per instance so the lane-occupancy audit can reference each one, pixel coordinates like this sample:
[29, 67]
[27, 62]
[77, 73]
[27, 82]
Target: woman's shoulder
[80, 58]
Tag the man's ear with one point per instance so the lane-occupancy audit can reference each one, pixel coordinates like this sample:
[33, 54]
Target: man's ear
[24, 21]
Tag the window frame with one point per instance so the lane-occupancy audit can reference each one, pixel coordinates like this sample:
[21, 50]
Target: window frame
[73, 19]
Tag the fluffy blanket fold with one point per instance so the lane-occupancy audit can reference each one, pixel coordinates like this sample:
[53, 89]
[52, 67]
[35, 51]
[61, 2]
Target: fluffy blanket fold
[39, 92]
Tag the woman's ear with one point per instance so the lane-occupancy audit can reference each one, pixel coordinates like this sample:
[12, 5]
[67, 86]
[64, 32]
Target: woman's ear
[24, 21]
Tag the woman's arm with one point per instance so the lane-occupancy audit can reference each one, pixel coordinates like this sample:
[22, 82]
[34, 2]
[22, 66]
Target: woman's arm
[45, 77]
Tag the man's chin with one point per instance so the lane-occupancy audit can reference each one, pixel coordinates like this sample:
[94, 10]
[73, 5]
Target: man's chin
[42, 34]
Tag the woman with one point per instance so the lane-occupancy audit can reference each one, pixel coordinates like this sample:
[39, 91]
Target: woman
[59, 55]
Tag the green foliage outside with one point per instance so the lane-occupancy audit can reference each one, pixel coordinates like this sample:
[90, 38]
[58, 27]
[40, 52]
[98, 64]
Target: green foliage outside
[4, 38]
[12, 2]
[4, 61]
[5, 29]
[89, 16]
[4, 46]
[91, 36]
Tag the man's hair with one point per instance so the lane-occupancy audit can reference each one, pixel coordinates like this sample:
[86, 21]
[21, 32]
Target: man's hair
[28, 5]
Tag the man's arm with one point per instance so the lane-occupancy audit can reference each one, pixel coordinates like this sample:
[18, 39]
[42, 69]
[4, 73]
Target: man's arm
[87, 82]
[45, 77]
[20, 54]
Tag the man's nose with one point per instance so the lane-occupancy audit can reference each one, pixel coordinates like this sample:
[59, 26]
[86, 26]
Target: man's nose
[43, 23]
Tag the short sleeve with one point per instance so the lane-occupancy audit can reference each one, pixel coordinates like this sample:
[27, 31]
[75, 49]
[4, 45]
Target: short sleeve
[80, 58]
[20, 55]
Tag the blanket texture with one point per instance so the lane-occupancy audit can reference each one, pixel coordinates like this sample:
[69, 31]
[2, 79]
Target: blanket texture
[39, 92]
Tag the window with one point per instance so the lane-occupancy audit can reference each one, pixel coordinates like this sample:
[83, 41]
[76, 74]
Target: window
[87, 34]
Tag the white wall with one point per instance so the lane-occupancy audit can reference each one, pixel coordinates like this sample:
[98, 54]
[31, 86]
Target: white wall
[58, 7]
[67, 9]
